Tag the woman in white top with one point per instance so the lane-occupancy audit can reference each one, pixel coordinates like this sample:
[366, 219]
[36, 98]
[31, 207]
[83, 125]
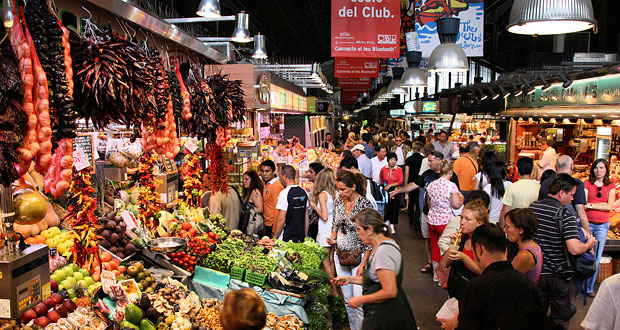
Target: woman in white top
[496, 188]
[322, 201]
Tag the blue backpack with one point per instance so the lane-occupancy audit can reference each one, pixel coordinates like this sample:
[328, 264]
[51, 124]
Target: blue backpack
[584, 265]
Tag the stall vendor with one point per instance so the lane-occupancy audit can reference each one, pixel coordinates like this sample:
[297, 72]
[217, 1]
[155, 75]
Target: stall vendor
[549, 157]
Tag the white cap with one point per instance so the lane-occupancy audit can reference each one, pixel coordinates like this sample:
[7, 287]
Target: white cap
[359, 147]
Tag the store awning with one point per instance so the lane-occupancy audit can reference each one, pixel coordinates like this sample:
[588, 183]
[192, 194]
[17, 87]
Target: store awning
[603, 111]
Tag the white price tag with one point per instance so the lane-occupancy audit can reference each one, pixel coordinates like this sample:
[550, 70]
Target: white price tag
[80, 160]
[130, 221]
[191, 144]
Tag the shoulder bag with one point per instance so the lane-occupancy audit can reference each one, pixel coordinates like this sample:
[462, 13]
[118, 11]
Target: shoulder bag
[349, 258]
[583, 266]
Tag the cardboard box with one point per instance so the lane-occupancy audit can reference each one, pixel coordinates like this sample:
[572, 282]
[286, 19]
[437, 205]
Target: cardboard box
[113, 173]
[168, 188]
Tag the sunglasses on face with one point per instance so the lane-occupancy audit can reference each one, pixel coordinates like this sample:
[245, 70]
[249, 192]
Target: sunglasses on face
[598, 194]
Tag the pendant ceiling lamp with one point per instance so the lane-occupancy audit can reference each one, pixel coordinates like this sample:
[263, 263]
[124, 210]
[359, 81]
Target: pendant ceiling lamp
[7, 13]
[448, 57]
[414, 76]
[259, 47]
[209, 9]
[542, 17]
[394, 88]
[384, 95]
[242, 33]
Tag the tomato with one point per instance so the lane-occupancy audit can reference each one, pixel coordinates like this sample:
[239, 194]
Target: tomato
[211, 234]
[193, 258]
[192, 232]
[217, 237]
[186, 226]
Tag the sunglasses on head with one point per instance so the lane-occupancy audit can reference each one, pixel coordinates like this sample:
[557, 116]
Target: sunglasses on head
[598, 194]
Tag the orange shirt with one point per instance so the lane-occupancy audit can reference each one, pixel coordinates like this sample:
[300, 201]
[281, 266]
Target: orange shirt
[270, 199]
[466, 168]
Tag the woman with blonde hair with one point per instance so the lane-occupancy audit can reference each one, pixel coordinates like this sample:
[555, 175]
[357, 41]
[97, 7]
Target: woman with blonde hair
[460, 257]
[322, 201]
[243, 310]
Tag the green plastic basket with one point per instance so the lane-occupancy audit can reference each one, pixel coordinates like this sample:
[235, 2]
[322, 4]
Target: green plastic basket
[237, 273]
[255, 278]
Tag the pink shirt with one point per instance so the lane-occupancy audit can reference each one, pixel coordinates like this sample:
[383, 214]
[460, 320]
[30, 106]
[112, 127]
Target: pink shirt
[597, 216]
[388, 176]
[439, 193]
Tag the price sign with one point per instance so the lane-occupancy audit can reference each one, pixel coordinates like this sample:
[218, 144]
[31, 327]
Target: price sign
[80, 159]
[191, 144]
[85, 142]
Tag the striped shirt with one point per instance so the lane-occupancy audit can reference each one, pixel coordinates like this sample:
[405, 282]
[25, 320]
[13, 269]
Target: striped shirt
[548, 237]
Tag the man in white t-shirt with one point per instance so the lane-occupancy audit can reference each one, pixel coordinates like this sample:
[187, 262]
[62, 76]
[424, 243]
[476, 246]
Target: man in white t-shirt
[521, 193]
[604, 313]
[293, 221]
[427, 150]
[378, 162]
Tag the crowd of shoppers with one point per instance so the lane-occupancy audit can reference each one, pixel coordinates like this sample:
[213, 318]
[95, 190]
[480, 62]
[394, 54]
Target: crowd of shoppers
[499, 247]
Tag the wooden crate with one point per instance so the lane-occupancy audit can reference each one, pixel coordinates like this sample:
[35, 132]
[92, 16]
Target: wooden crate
[604, 270]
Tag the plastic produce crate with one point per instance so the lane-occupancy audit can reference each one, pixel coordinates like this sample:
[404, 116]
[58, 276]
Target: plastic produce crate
[255, 278]
[237, 273]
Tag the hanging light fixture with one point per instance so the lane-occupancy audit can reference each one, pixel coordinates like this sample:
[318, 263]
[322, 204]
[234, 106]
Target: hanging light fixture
[242, 33]
[565, 81]
[516, 91]
[546, 85]
[543, 17]
[494, 95]
[414, 76]
[209, 9]
[448, 57]
[259, 47]
[527, 88]
[504, 92]
[482, 95]
[384, 95]
[7, 13]
[394, 88]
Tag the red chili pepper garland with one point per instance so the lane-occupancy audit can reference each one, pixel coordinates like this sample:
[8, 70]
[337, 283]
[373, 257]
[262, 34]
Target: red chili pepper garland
[148, 200]
[81, 215]
[218, 177]
[191, 179]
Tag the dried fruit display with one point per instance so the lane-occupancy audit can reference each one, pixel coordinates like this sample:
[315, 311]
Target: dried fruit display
[81, 216]
[13, 120]
[40, 92]
[148, 200]
[176, 93]
[186, 111]
[160, 84]
[48, 42]
[30, 144]
[191, 179]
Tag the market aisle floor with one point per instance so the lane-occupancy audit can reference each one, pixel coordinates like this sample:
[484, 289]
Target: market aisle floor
[425, 296]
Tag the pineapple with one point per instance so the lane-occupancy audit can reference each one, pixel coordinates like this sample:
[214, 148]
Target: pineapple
[81, 299]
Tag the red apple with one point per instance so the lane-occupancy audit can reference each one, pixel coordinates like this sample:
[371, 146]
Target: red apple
[28, 316]
[41, 309]
[57, 298]
[53, 316]
[69, 305]
[53, 285]
[62, 310]
[49, 302]
[42, 321]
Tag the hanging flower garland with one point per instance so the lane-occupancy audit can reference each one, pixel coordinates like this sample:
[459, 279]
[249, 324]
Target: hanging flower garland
[81, 216]
[148, 200]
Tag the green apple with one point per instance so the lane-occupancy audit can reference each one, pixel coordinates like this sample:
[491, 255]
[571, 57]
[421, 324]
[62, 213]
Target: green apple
[60, 287]
[71, 280]
[66, 284]
[92, 289]
[68, 271]
[76, 268]
[47, 234]
[78, 276]
[54, 230]
[55, 278]
[60, 274]
[89, 280]
[71, 293]
[84, 272]
[61, 247]
[51, 242]
[82, 284]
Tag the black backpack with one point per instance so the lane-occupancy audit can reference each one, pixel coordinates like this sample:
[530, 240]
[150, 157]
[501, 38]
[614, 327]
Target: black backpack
[376, 190]
[584, 265]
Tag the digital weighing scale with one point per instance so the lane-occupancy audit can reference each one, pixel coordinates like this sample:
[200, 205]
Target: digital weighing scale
[24, 280]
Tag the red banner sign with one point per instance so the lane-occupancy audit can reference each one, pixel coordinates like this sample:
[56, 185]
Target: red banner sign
[348, 97]
[357, 84]
[356, 67]
[365, 28]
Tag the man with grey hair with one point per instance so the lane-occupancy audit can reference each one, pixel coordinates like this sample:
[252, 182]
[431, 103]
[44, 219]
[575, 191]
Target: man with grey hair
[565, 164]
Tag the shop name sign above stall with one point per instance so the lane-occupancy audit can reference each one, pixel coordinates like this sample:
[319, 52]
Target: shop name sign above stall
[356, 67]
[601, 90]
[365, 28]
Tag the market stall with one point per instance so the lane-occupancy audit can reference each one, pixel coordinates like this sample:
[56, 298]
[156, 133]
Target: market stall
[105, 140]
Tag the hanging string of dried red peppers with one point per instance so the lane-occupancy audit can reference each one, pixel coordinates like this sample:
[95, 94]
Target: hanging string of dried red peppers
[149, 202]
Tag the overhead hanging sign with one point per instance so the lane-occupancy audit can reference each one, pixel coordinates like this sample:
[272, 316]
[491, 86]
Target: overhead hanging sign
[348, 97]
[421, 16]
[365, 28]
[356, 67]
[361, 84]
[602, 90]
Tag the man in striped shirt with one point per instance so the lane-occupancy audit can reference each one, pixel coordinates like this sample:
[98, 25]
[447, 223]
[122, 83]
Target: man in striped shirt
[556, 278]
